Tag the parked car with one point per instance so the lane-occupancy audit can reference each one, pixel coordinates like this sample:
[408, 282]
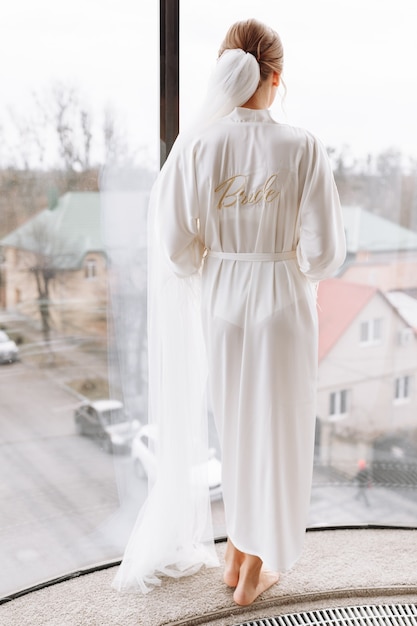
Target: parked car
[145, 463]
[107, 422]
[9, 352]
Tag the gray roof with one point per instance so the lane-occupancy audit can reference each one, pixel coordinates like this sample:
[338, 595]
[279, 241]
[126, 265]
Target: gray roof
[367, 231]
[405, 305]
[66, 233]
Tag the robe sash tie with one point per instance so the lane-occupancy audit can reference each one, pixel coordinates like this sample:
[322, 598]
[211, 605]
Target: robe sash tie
[259, 257]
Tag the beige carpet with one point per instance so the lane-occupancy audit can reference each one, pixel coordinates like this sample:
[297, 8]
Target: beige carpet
[338, 568]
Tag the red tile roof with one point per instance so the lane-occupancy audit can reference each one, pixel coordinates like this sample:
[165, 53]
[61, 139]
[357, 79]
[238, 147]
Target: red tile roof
[339, 302]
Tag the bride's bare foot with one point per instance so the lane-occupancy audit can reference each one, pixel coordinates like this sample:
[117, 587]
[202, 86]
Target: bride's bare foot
[253, 580]
[233, 561]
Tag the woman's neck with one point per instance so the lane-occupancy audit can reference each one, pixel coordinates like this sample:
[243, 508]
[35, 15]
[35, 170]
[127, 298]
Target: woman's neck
[264, 95]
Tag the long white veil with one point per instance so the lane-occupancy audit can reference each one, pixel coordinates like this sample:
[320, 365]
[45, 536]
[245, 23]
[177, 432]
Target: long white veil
[173, 532]
[234, 80]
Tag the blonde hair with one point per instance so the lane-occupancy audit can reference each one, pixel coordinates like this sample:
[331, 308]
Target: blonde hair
[257, 39]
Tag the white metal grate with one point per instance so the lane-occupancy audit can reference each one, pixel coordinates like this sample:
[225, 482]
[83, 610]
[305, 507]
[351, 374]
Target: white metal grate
[369, 615]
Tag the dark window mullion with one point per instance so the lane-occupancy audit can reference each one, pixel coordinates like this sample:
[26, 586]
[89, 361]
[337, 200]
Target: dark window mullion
[169, 75]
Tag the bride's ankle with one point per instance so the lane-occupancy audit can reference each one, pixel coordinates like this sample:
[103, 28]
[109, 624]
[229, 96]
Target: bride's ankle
[233, 561]
[248, 589]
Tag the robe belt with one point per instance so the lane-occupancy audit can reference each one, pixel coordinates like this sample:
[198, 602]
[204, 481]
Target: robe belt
[253, 256]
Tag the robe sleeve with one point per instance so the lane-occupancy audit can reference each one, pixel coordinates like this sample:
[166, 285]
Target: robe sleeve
[321, 248]
[178, 213]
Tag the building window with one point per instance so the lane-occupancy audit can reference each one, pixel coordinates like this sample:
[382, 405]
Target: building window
[338, 403]
[405, 336]
[402, 389]
[90, 268]
[371, 331]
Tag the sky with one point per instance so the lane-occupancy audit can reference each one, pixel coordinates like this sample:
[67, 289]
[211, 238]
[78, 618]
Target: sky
[349, 64]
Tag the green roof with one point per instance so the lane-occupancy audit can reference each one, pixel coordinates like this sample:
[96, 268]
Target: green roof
[73, 228]
[370, 232]
[67, 232]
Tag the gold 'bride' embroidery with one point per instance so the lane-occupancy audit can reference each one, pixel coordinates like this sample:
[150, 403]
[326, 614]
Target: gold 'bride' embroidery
[233, 191]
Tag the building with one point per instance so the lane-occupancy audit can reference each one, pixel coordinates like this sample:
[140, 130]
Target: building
[379, 252]
[71, 257]
[368, 349]
[367, 373]
[58, 256]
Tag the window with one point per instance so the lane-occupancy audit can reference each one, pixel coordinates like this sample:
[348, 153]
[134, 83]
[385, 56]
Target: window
[63, 354]
[405, 336]
[338, 403]
[371, 331]
[54, 278]
[402, 389]
[90, 268]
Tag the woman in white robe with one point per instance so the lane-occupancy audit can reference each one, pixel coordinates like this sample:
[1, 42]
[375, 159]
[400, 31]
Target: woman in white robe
[251, 206]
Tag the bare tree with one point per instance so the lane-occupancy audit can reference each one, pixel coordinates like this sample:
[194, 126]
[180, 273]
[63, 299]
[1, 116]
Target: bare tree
[55, 129]
[409, 195]
[29, 149]
[86, 126]
[48, 257]
[72, 123]
[115, 142]
[50, 148]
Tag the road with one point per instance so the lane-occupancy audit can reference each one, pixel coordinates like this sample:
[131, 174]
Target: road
[58, 490]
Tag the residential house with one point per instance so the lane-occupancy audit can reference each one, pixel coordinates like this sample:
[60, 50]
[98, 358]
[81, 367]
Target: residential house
[367, 373]
[62, 246]
[379, 252]
[368, 349]
[88, 246]
[405, 301]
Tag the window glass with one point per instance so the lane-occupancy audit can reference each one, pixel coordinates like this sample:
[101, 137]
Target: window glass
[338, 403]
[74, 442]
[90, 270]
[402, 388]
[79, 91]
[371, 331]
[335, 71]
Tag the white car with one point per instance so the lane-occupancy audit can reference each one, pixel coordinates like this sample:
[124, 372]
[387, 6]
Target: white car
[145, 463]
[9, 352]
[106, 422]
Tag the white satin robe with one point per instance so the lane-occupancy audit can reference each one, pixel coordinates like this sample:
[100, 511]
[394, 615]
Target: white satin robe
[251, 185]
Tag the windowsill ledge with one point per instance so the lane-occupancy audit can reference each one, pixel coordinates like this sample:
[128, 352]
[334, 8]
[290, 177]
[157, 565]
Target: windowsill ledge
[338, 568]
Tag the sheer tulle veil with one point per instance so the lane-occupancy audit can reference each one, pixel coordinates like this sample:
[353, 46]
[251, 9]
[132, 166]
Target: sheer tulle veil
[233, 81]
[172, 535]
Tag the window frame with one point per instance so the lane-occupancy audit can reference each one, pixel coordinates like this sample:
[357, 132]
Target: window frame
[374, 331]
[402, 389]
[90, 269]
[169, 78]
[338, 404]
